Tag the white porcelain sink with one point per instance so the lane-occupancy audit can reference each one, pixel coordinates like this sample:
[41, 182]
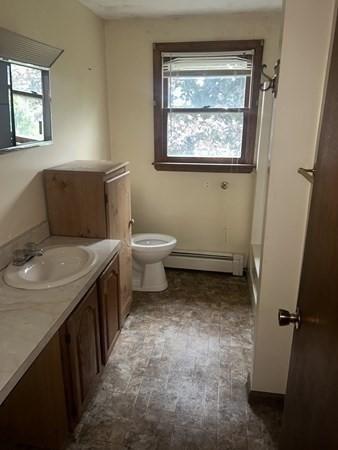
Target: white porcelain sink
[56, 267]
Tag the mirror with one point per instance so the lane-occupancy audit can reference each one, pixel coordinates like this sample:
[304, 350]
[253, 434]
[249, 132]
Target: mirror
[25, 111]
[25, 106]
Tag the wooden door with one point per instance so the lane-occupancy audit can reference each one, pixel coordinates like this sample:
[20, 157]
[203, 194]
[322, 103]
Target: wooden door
[82, 355]
[119, 227]
[311, 413]
[109, 292]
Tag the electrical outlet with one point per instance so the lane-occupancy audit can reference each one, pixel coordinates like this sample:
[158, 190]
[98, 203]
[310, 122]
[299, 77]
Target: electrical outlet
[206, 184]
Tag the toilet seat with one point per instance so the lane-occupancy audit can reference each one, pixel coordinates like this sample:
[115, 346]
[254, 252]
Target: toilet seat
[150, 240]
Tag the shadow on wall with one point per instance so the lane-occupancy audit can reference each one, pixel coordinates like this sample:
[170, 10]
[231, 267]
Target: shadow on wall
[23, 207]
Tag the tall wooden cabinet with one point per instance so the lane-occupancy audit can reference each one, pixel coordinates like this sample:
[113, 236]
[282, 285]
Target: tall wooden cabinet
[92, 199]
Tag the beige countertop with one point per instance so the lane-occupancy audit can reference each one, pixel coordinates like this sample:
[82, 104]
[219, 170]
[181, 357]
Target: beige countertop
[29, 318]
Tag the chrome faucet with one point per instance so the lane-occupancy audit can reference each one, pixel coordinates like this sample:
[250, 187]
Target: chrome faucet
[23, 255]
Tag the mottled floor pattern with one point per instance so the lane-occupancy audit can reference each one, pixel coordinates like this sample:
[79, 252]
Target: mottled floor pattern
[176, 378]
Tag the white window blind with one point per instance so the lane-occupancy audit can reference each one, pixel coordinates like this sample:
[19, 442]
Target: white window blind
[18, 48]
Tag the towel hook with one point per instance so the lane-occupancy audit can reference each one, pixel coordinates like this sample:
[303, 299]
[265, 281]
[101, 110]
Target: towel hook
[272, 81]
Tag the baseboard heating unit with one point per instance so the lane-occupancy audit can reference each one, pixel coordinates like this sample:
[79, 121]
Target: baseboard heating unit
[214, 262]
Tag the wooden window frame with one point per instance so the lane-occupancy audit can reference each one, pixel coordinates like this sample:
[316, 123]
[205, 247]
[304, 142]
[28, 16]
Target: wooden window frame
[245, 164]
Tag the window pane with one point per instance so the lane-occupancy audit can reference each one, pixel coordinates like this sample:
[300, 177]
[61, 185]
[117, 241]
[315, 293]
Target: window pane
[212, 135]
[28, 118]
[213, 92]
[26, 79]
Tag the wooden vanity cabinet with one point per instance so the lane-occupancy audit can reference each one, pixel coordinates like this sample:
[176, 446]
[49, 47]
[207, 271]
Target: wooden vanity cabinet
[92, 199]
[50, 398]
[81, 354]
[35, 412]
[109, 291]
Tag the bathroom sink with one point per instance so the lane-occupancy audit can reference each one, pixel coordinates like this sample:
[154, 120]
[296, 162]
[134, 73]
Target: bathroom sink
[59, 265]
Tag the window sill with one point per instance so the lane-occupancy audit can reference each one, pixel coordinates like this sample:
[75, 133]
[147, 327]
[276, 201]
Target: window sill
[203, 167]
[25, 146]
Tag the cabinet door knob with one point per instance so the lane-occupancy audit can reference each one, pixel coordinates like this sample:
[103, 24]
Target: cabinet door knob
[131, 222]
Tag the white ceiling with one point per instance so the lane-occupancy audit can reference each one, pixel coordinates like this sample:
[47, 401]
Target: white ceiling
[110, 9]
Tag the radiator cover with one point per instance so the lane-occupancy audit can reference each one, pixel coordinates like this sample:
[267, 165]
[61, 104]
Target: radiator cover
[213, 262]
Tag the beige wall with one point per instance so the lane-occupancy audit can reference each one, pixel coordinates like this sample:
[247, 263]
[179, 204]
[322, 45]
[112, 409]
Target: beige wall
[80, 126]
[294, 141]
[191, 206]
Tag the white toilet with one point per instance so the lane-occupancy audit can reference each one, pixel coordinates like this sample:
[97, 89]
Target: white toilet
[148, 251]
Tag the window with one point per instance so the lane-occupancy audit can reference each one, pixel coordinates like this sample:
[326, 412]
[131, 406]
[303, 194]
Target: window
[205, 105]
[24, 105]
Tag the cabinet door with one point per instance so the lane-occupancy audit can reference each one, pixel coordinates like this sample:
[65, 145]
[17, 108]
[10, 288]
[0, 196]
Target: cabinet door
[75, 204]
[83, 358]
[125, 281]
[119, 227]
[35, 411]
[109, 307]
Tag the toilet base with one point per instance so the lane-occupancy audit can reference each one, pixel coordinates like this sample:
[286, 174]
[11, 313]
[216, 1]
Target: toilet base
[149, 277]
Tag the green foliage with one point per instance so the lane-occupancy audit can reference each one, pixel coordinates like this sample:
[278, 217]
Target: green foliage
[26, 79]
[213, 92]
[28, 111]
[28, 114]
[207, 134]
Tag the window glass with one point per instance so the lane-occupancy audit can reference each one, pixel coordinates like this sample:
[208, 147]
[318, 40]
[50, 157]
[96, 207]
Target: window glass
[26, 79]
[211, 135]
[28, 116]
[207, 92]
